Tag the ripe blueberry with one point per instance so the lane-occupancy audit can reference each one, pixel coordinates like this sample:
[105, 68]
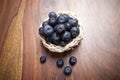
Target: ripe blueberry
[59, 28]
[73, 22]
[42, 59]
[45, 23]
[67, 70]
[55, 38]
[52, 21]
[73, 60]
[74, 32]
[66, 16]
[61, 19]
[66, 36]
[60, 63]
[52, 14]
[48, 30]
[41, 31]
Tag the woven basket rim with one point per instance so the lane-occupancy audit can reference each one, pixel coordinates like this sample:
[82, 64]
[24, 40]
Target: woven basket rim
[56, 48]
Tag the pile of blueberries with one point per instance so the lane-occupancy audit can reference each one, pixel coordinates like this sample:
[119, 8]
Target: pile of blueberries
[59, 30]
[60, 64]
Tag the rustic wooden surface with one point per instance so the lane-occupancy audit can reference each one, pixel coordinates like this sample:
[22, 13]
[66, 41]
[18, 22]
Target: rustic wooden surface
[20, 47]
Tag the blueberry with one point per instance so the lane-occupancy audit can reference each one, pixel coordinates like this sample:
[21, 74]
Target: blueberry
[73, 60]
[66, 17]
[67, 70]
[41, 31]
[42, 59]
[63, 43]
[48, 30]
[45, 23]
[73, 22]
[55, 38]
[66, 36]
[52, 14]
[52, 21]
[61, 19]
[60, 63]
[59, 28]
[74, 32]
[67, 25]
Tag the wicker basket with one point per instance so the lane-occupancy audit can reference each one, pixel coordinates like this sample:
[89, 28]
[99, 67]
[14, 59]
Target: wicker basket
[55, 48]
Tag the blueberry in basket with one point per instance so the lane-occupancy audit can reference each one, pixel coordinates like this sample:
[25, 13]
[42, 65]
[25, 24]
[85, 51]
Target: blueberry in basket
[60, 29]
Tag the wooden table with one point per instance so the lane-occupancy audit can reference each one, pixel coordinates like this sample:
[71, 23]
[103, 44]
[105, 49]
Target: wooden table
[98, 54]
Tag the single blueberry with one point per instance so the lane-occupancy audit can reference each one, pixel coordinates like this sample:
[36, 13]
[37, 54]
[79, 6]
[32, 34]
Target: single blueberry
[73, 60]
[67, 17]
[52, 14]
[55, 38]
[52, 21]
[67, 70]
[60, 63]
[41, 31]
[42, 59]
[66, 36]
[73, 22]
[59, 28]
[61, 19]
[48, 30]
[74, 32]
[45, 23]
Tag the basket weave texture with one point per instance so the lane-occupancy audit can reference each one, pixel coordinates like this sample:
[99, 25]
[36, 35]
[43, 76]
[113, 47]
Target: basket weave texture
[55, 48]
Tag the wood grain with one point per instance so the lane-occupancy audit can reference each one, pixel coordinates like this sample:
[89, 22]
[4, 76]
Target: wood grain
[98, 54]
[11, 56]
